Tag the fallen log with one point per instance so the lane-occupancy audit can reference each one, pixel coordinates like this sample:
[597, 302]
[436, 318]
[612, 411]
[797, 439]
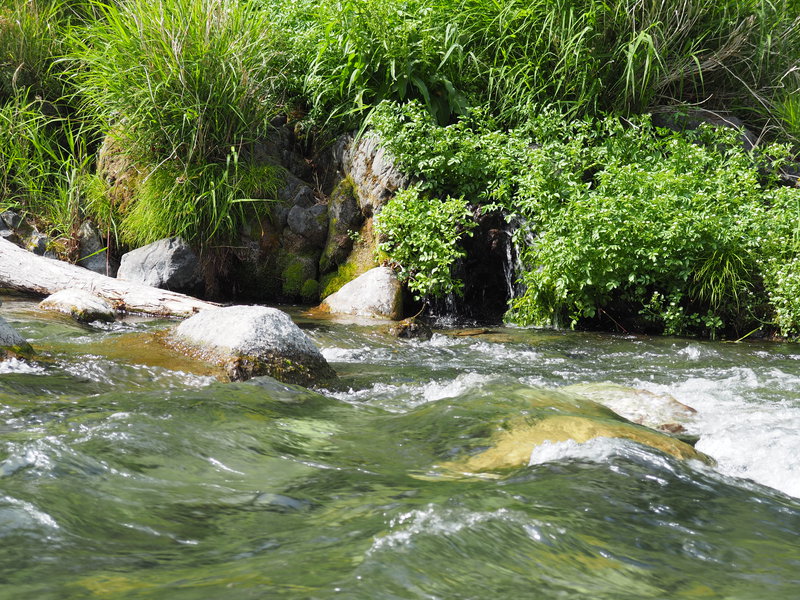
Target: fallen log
[24, 271]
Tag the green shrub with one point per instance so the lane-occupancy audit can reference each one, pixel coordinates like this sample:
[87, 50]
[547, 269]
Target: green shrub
[421, 235]
[665, 231]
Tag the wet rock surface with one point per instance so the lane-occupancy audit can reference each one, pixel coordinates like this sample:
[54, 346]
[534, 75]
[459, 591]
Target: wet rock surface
[168, 264]
[249, 341]
[81, 305]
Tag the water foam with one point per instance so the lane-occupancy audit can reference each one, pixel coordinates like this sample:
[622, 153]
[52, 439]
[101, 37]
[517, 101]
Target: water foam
[749, 435]
[14, 365]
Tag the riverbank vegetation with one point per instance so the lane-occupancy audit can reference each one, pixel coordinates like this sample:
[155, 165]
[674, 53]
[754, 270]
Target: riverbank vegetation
[538, 109]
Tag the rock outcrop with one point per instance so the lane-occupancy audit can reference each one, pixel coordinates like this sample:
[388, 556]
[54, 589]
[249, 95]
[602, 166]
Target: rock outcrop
[81, 305]
[248, 341]
[376, 293]
[371, 170]
[168, 264]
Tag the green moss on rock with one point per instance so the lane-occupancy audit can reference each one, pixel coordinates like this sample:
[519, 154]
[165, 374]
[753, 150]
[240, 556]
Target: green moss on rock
[360, 260]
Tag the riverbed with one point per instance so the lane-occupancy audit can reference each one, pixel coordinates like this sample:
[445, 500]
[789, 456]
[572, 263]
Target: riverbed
[129, 472]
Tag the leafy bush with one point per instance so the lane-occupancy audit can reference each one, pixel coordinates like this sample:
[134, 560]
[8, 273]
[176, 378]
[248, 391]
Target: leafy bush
[665, 231]
[421, 234]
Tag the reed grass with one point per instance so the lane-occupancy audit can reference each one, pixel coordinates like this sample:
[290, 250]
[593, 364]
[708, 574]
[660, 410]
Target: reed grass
[189, 87]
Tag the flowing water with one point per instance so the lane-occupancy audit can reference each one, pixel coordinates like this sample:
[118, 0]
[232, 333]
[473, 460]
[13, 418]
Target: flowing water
[126, 472]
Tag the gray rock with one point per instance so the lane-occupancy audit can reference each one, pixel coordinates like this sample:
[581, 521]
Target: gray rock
[92, 252]
[11, 219]
[344, 218]
[168, 264]
[81, 305]
[311, 223]
[37, 243]
[295, 192]
[8, 234]
[12, 344]
[376, 293]
[253, 340]
[372, 170]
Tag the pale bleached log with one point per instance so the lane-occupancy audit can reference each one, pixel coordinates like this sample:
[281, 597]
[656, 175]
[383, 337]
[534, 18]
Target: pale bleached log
[26, 272]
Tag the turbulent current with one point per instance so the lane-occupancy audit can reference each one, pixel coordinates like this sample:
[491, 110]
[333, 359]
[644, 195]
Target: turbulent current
[127, 472]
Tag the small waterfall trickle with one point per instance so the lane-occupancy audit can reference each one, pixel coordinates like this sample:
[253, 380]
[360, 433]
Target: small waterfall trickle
[518, 235]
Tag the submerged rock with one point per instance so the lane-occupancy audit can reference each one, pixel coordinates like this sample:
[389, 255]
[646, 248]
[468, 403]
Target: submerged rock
[12, 344]
[411, 328]
[513, 447]
[659, 411]
[541, 418]
[248, 341]
[168, 264]
[376, 293]
[81, 305]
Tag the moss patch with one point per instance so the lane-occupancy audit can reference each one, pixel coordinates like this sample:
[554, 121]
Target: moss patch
[361, 259]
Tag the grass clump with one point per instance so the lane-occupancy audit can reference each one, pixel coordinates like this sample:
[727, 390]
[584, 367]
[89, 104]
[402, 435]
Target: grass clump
[45, 165]
[582, 56]
[189, 87]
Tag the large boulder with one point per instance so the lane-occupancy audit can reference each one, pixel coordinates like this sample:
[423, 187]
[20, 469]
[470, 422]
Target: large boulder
[12, 344]
[81, 305]
[376, 293]
[248, 341]
[168, 264]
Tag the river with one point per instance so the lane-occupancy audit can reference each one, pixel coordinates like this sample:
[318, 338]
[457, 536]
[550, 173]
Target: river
[126, 472]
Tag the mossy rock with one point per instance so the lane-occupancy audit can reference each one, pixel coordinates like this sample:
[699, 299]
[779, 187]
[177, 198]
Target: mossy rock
[360, 260]
[12, 344]
[299, 270]
[344, 222]
[310, 290]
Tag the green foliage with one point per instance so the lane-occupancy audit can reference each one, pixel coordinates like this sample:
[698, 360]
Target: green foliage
[421, 234]
[201, 203]
[514, 57]
[45, 166]
[668, 231]
[189, 87]
[367, 51]
[31, 36]
[779, 230]
[668, 221]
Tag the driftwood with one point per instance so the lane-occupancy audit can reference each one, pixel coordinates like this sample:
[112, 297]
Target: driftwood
[26, 272]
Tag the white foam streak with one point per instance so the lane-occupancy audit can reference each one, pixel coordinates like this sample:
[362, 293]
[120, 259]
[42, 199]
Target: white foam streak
[749, 436]
[14, 365]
